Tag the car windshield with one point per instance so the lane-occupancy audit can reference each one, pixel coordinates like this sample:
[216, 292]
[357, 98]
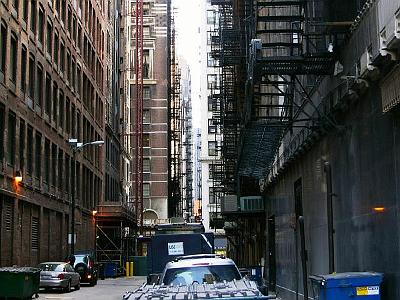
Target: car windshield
[201, 274]
[51, 267]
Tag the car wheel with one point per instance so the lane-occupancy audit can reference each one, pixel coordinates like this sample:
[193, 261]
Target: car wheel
[68, 288]
[78, 286]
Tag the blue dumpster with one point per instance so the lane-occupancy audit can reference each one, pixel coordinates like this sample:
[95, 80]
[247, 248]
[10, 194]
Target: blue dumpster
[110, 270]
[347, 286]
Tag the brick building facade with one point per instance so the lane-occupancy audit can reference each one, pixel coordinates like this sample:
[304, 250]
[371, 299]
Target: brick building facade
[53, 86]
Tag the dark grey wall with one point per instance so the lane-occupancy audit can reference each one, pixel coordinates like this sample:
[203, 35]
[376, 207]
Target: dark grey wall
[365, 175]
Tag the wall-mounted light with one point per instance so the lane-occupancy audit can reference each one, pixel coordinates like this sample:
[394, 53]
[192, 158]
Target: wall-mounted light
[94, 213]
[379, 209]
[18, 177]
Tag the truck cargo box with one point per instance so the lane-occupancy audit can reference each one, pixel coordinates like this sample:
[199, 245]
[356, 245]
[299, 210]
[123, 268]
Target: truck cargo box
[166, 247]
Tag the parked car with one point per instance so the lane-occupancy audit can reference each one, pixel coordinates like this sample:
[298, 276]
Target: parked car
[58, 275]
[87, 268]
[200, 268]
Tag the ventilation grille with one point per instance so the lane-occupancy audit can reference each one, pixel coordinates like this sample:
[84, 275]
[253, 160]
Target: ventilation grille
[35, 233]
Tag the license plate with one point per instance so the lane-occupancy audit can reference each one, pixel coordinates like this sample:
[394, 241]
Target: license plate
[367, 290]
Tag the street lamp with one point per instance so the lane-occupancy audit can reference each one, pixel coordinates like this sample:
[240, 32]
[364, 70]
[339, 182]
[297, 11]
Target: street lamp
[76, 146]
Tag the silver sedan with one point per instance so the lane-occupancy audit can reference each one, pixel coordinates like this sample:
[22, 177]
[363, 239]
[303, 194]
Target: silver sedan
[59, 275]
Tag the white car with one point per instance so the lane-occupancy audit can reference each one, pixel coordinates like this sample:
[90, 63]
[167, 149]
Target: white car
[200, 268]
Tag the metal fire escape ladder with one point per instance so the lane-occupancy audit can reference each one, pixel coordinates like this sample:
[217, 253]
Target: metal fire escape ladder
[139, 113]
[282, 48]
[176, 197]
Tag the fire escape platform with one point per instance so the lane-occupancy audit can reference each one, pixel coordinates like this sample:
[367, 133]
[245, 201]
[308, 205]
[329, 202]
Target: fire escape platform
[260, 142]
[295, 65]
[115, 212]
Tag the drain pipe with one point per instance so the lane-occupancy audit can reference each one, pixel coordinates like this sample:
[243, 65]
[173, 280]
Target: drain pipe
[329, 210]
[303, 257]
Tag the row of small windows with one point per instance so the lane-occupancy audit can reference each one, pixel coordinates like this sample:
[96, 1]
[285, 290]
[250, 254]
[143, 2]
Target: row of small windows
[41, 88]
[27, 149]
[55, 45]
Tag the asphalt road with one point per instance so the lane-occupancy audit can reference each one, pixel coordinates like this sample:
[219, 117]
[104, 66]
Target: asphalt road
[108, 289]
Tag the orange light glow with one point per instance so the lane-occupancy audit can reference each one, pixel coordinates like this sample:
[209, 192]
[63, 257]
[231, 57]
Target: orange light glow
[94, 212]
[379, 209]
[18, 179]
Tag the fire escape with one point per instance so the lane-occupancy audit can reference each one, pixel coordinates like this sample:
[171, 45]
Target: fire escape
[138, 163]
[265, 48]
[175, 199]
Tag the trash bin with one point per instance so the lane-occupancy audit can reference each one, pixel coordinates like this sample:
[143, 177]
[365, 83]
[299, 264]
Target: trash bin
[20, 283]
[347, 286]
[110, 270]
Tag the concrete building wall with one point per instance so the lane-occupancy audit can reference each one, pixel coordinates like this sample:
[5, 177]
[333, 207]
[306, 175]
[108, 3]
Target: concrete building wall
[363, 154]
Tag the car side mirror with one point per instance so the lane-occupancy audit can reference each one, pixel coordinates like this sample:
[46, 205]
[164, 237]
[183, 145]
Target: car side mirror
[153, 279]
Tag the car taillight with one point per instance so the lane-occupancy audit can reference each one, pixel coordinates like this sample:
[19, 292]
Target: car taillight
[91, 264]
[60, 276]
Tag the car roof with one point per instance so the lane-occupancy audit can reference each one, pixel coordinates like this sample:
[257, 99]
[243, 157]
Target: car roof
[191, 261]
[53, 263]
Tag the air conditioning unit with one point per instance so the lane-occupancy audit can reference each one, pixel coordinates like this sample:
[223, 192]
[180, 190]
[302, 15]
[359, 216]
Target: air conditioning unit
[366, 69]
[251, 203]
[229, 204]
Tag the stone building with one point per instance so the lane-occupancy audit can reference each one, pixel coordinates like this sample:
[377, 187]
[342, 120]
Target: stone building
[54, 85]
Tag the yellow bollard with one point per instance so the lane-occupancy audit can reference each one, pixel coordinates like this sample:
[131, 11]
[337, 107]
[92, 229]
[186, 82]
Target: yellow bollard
[131, 268]
[127, 269]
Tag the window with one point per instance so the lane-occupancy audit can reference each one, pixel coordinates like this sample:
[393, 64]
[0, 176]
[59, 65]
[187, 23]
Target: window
[21, 144]
[35, 234]
[63, 14]
[25, 4]
[39, 85]
[58, 6]
[79, 37]
[211, 17]
[53, 165]
[68, 66]
[15, 4]
[62, 57]
[146, 190]
[212, 128]
[146, 165]
[47, 161]
[31, 77]
[69, 19]
[146, 92]
[60, 169]
[38, 155]
[146, 140]
[61, 110]
[146, 116]
[212, 148]
[212, 81]
[29, 157]
[56, 41]
[146, 9]
[13, 58]
[67, 116]
[24, 54]
[41, 26]
[78, 81]
[74, 28]
[33, 16]
[3, 48]
[49, 38]
[211, 195]
[55, 102]
[48, 95]
[2, 123]
[11, 138]
[147, 65]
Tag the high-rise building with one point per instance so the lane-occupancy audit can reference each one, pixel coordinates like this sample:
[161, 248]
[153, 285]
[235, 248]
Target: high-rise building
[211, 133]
[155, 105]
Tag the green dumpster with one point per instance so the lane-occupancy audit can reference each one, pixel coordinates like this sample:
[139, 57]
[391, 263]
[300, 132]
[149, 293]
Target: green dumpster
[20, 283]
[139, 265]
